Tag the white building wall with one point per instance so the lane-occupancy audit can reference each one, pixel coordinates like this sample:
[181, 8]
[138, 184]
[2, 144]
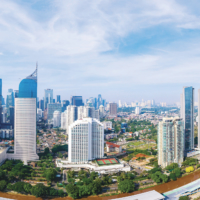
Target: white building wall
[63, 120]
[56, 119]
[25, 129]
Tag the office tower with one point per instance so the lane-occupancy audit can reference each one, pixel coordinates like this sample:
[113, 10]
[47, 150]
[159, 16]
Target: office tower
[113, 109]
[101, 110]
[120, 103]
[39, 113]
[51, 107]
[86, 140]
[2, 100]
[198, 118]
[99, 102]
[25, 120]
[103, 102]
[76, 101]
[187, 114]
[170, 141]
[12, 116]
[86, 111]
[41, 105]
[95, 103]
[97, 114]
[58, 99]
[71, 116]
[1, 103]
[10, 100]
[54, 101]
[16, 93]
[56, 119]
[48, 97]
[65, 103]
[63, 120]
[137, 110]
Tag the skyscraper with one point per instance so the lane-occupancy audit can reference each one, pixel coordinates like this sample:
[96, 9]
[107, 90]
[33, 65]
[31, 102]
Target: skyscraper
[171, 141]
[187, 114]
[25, 120]
[48, 97]
[56, 119]
[76, 101]
[65, 103]
[199, 119]
[10, 100]
[1, 98]
[86, 140]
[113, 109]
[41, 104]
[51, 108]
[58, 99]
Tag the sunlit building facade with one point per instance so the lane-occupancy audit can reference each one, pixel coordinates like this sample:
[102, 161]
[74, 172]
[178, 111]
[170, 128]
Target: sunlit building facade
[171, 141]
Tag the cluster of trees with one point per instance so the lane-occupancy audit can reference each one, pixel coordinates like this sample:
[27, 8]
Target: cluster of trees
[58, 148]
[14, 170]
[39, 190]
[125, 182]
[190, 162]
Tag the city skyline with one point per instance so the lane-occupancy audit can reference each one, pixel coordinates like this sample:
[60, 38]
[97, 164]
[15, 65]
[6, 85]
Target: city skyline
[119, 51]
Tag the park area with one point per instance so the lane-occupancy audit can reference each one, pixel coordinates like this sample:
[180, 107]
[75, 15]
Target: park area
[107, 161]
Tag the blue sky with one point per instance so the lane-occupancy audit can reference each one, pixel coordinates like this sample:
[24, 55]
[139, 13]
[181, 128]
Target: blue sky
[122, 49]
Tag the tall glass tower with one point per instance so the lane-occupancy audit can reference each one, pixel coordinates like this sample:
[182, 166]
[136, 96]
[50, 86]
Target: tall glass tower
[48, 97]
[187, 114]
[25, 120]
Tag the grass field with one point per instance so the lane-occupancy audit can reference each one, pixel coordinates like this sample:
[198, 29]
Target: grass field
[107, 161]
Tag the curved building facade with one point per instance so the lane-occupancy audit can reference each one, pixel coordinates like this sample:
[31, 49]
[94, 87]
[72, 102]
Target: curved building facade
[25, 120]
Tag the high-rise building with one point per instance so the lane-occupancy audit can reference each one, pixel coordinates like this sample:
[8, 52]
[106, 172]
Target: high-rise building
[198, 118]
[171, 141]
[101, 110]
[51, 108]
[86, 140]
[25, 120]
[41, 104]
[120, 103]
[54, 101]
[76, 101]
[137, 110]
[1, 103]
[58, 99]
[12, 116]
[56, 119]
[16, 93]
[113, 109]
[99, 101]
[48, 97]
[71, 116]
[10, 100]
[187, 114]
[65, 103]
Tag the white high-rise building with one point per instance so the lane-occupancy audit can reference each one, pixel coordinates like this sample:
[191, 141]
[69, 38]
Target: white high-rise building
[71, 116]
[101, 109]
[86, 140]
[25, 120]
[56, 119]
[63, 120]
[171, 141]
[137, 110]
[120, 103]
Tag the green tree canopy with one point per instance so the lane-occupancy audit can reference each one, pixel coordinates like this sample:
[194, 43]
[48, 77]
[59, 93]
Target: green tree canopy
[126, 186]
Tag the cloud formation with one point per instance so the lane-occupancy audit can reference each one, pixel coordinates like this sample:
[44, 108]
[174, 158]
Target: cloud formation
[104, 46]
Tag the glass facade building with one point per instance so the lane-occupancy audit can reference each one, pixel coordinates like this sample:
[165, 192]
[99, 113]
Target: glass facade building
[51, 108]
[77, 101]
[48, 97]
[187, 114]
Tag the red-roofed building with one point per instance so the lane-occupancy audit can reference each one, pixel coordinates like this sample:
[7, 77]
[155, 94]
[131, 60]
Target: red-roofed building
[111, 147]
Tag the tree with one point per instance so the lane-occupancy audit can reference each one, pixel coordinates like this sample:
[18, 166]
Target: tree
[2, 175]
[27, 187]
[3, 185]
[126, 186]
[164, 178]
[172, 176]
[177, 172]
[9, 186]
[50, 174]
[72, 190]
[46, 150]
[18, 187]
[39, 190]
